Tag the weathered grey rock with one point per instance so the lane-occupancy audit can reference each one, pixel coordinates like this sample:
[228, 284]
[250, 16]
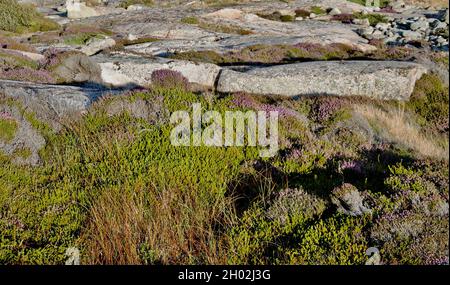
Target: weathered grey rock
[77, 67]
[348, 200]
[444, 16]
[411, 35]
[121, 70]
[420, 25]
[335, 11]
[362, 22]
[77, 9]
[96, 45]
[23, 148]
[374, 79]
[378, 35]
[52, 102]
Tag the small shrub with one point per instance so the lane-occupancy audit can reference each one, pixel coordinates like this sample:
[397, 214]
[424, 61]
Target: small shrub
[18, 18]
[430, 100]
[8, 127]
[167, 78]
[126, 3]
[318, 10]
[190, 20]
[302, 13]
[344, 18]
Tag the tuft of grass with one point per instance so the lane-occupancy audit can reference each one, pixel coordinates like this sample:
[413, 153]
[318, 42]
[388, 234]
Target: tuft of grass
[190, 20]
[126, 3]
[20, 18]
[398, 129]
[318, 10]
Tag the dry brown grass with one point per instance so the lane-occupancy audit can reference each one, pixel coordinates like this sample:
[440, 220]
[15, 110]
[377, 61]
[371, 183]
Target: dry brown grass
[396, 127]
[171, 226]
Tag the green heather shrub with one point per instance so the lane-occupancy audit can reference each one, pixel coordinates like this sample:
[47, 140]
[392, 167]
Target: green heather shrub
[190, 20]
[8, 128]
[338, 240]
[18, 18]
[112, 184]
[430, 101]
[318, 10]
[126, 3]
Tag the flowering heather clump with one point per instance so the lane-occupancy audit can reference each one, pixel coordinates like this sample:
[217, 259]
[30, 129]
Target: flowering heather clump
[327, 107]
[27, 74]
[246, 101]
[243, 100]
[354, 166]
[52, 58]
[6, 116]
[169, 79]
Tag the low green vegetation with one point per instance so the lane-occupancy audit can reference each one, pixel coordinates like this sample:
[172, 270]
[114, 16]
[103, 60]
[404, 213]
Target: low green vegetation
[216, 27]
[126, 3]
[113, 176]
[318, 10]
[20, 18]
[383, 3]
[8, 129]
[430, 101]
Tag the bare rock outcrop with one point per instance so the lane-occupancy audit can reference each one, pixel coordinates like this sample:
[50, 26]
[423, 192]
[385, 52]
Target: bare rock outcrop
[385, 80]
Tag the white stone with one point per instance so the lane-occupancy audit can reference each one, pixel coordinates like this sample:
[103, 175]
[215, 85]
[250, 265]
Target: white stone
[77, 9]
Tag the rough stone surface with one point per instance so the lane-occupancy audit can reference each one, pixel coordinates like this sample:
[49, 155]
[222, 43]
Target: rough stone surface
[95, 45]
[77, 67]
[348, 200]
[121, 70]
[24, 147]
[380, 80]
[77, 9]
[52, 102]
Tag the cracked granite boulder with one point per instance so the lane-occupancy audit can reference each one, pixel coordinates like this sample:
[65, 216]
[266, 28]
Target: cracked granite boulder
[385, 80]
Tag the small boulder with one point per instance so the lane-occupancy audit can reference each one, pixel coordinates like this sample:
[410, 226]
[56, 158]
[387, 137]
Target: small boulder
[95, 45]
[362, 22]
[335, 11]
[76, 67]
[348, 200]
[77, 9]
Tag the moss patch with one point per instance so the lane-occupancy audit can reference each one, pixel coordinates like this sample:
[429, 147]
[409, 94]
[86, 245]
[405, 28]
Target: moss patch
[8, 129]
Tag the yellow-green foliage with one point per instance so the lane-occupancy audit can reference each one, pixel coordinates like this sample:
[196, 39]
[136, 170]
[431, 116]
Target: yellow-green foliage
[126, 3]
[115, 187]
[337, 240]
[8, 129]
[430, 101]
[20, 18]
